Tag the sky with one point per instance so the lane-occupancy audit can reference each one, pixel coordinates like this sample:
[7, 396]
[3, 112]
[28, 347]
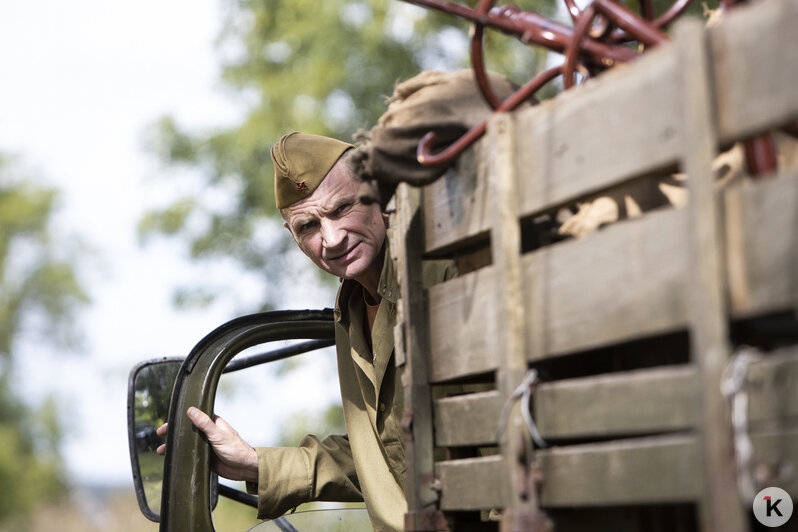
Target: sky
[81, 81]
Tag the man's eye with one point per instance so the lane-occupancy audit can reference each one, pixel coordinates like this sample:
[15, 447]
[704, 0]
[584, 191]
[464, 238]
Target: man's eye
[306, 226]
[343, 208]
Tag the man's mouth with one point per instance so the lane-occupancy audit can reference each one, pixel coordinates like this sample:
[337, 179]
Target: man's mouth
[345, 254]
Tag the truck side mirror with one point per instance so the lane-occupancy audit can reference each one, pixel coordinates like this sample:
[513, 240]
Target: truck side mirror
[149, 392]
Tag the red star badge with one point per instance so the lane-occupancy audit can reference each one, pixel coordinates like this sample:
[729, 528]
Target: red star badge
[301, 186]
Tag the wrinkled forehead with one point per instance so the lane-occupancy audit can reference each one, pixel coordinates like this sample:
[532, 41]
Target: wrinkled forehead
[339, 184]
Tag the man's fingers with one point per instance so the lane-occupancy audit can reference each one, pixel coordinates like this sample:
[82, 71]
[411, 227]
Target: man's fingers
[201, 420]
[161, 431]
[161, 449]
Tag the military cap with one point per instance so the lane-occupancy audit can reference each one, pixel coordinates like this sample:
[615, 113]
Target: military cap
[301, 161]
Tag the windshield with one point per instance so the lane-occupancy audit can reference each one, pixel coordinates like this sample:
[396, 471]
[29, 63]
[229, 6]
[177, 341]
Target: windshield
[333, 520]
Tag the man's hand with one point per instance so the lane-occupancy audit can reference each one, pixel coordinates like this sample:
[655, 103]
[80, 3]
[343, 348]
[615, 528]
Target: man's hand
[233, 458]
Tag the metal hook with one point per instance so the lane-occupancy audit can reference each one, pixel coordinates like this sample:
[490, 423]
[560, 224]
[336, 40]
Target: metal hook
[427, 158]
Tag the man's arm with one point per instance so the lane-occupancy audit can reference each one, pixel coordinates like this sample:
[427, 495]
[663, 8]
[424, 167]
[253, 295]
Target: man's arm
[316, 470]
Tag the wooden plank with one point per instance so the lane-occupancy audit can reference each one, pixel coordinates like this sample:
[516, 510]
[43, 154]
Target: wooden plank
[720, 506]
[755, 67]
[775, 460]
[465, 420]
[772, 386]
[462, 326]
[521, 502]
[628, 403]
[623, 404]
[761, 243]
[456, 207]
[570, 145]
[624, 282]
[472, 484]
[643, 470]
[414, 341]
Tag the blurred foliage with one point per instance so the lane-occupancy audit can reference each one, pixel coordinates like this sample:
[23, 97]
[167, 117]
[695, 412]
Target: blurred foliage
[321, 67]
[39, 294]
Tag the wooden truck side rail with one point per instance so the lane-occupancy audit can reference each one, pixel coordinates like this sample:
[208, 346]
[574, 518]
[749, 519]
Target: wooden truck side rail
[630, 327]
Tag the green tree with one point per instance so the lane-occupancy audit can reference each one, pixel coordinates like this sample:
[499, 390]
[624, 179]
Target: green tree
[39, 293]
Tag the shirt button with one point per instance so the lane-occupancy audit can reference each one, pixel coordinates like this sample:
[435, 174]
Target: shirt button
[382, 407]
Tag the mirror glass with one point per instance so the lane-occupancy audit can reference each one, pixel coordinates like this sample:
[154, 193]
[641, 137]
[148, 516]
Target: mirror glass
[151, 393]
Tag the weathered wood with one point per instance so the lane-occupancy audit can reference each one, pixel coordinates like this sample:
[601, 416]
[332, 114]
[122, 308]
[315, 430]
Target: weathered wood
[463, 326]
[772, 386]
[775, 459]
[755, 67]
[469, 419]
[628, 403]
[520, 499]
[415, 344]
[472, 483]
[719, 505]
[624, 282]
[623, 404]
[761, 243]
[569, 149]
[571, 145]
[457, 210]
[642, 470]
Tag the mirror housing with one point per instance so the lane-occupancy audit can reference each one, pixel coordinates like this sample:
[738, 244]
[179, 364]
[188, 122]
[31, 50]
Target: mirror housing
[149, 393]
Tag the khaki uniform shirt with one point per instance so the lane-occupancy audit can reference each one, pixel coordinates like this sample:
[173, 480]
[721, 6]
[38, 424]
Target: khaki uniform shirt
[367, 464]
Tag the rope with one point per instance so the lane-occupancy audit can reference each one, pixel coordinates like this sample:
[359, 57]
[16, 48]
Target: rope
[524, 392]
[733, 389]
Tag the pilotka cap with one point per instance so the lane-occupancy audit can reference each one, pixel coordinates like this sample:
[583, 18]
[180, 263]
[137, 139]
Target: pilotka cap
[301, 161]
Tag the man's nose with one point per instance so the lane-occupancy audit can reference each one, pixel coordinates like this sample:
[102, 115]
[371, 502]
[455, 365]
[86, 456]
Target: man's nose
[332, 233]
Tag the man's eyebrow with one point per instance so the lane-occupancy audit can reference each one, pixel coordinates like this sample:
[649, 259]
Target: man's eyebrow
[332, 206]
[300, 220]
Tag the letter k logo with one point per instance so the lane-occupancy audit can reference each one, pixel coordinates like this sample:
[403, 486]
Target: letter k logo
[772, 506]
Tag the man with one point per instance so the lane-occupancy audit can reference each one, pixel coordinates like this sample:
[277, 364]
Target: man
[317, 195]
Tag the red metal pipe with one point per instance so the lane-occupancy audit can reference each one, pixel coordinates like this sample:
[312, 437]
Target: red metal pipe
[423, 153]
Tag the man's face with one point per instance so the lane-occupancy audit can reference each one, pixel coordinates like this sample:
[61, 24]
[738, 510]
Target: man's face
[341, 235]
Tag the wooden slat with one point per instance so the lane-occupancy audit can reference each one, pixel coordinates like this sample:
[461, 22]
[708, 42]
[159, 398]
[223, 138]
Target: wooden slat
[645, 470]
[772, 386]
[719, 506]
[628, 403]
[761, 244]
[463, 326]
[624, 282]
[755, 67]
[622, 404]
[414, 343]
[618, 126]
[776, 457]
[456, 210]
[469, 419]
[472, 484]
